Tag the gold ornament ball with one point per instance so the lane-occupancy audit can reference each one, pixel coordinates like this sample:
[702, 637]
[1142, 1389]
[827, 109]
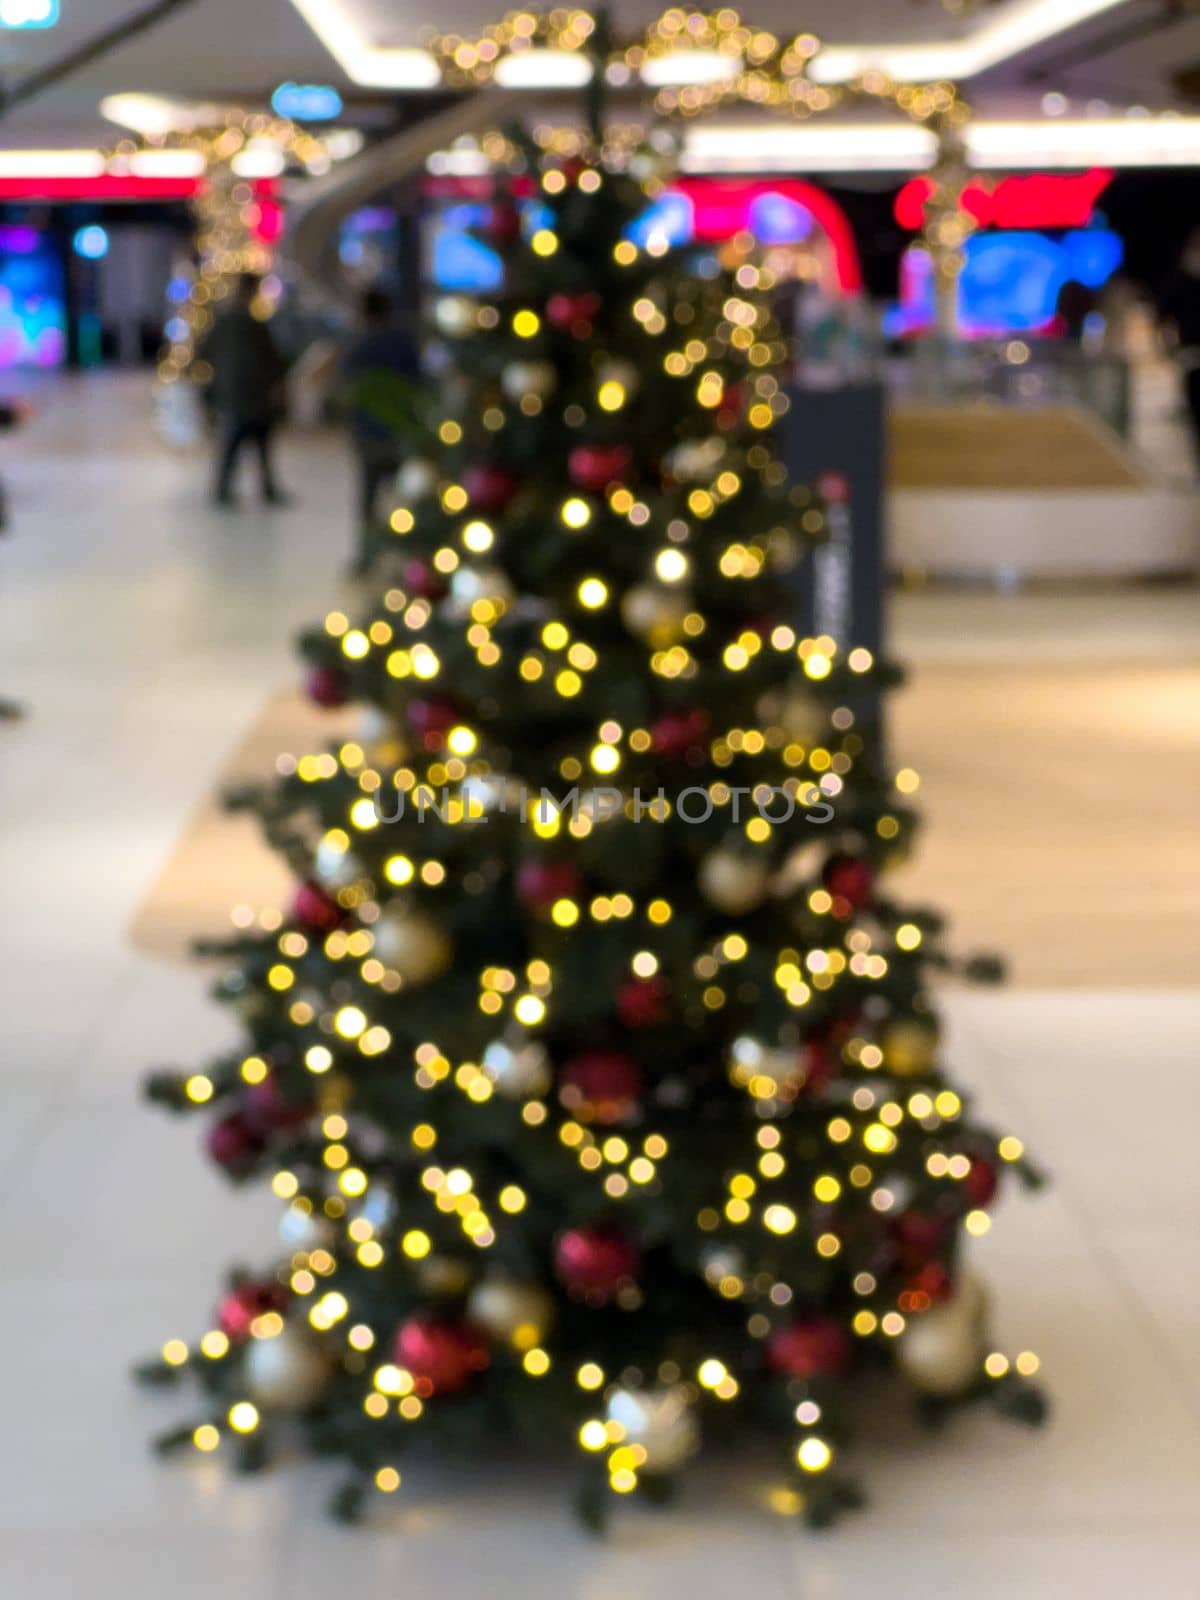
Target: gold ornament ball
[519, 1314]
[696, 460]
[733, 882]
[804, 718]
[251, 1006]
[456, 315]
[654, 613]
[286, 1373]
[413, 945]
[443, 1275]
[909, 1048]
[941, 1350]
[617, 370]
[661, 1421]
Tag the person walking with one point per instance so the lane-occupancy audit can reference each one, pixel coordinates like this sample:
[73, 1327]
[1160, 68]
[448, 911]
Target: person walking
[12, 414]
[380, 367]
[246, 390]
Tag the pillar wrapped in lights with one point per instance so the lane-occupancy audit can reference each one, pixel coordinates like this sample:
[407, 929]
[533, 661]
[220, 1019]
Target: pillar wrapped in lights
[948, 224]
[237, 217]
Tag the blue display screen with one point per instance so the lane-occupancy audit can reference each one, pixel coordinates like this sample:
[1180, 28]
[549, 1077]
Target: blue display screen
[1010, 282]
[33, 313]
[460, 261]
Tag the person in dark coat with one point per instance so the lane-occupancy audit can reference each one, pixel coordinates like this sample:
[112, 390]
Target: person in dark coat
[382, 359]
[246, 390]
[1179, 308]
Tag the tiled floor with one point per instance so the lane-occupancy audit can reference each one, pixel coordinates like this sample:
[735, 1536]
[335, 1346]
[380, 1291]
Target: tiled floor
[146, 634]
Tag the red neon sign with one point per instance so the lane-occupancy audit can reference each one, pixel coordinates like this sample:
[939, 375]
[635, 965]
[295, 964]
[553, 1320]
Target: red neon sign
[1040, 200]
[103, 186]
[720, 209]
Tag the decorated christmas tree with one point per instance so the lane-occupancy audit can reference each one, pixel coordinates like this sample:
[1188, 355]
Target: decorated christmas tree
[593, 1065]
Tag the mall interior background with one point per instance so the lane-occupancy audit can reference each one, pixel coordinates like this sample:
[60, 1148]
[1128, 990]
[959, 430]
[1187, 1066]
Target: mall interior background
[1025, 494]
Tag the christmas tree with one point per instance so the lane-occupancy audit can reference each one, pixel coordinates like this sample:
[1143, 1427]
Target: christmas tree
[595, 1069]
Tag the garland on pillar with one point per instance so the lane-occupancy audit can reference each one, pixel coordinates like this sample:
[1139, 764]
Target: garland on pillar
[238, 219]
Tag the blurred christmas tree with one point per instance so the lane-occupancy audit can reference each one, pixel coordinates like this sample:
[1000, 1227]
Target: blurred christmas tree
[597, 1073]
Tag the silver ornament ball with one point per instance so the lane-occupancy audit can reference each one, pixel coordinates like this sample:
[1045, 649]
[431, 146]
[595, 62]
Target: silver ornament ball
[520, 1070]
[286, 1373]
[654, 613]
[941, 1350]
[661, 1421]
[470, 584]
[416, 479]
[334, 866]
[520, 1314]
[520, 378]
[303, 1229]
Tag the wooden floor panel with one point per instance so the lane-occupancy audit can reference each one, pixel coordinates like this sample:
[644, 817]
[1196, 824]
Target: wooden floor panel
[1005, 447]
[1060, 805]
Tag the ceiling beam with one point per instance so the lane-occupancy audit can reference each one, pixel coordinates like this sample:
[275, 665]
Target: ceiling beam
[1132, 31]
[94, 49]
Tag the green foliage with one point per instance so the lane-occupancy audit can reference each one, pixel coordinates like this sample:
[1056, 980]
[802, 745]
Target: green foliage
[592, 585]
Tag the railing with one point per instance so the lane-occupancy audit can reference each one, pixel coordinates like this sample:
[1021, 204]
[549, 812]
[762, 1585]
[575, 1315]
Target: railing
[1014, 372]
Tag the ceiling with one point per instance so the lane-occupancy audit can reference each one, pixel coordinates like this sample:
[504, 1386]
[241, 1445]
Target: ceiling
[239, 49]
[847, 21]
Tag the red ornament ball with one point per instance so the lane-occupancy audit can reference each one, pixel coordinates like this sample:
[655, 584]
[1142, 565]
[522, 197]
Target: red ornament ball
[504, 224]
[442, 1353]
[644, 1002]
[926, 1287]
[811, 1347]
[268, 1110]
[594, 467]
[489, 488]
[312, 908]
[234, 1143]
[680, 733]
[596, 1260]
[917, 1236]
[431, 720]
[763, 626]
[603, 1086]
[541, 883]
[572, 311]
[818, 1065]
[982, 1180]
[244, 1303]
[732, 401]
[422, 581]
[849, 878]
[327, 686]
